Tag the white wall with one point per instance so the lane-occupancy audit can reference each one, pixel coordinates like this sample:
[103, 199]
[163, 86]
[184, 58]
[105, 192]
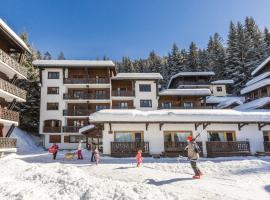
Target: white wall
[217, 93]
[146, 95]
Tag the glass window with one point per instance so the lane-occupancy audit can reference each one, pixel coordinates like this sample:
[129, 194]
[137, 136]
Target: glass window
[145, 87]
[76, 138]
[53, 75]
[53, 90]
[221, 136]
[166, 105]
[266, 136]
[181, 136]
[101, 107]
[146, 103]
[188, 105]
[123, 105]
[219, 89]
[52, 106]
[123, 137]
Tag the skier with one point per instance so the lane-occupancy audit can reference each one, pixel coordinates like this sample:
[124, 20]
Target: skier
[139, 158]
[193, 155]
[96, 156]
[54, 150]
[79, 151]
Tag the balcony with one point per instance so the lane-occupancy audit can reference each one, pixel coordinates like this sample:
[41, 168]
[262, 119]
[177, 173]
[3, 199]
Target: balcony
[8, 60]
[9, 115]
[78, 112]
[176, 148]
[121, 107]
[86, 81]
[124, 93]
[125, 149]
[48, 129]
[232, 148]
[182, 107]
[86, 96]
[12, 89]
[7, 143]
[71, 129]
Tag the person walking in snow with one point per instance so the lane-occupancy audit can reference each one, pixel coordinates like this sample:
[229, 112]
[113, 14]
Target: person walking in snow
[139, 158]
[96, 156]
[54, 150]
[193, 151]
[79, 151]
[92, 151]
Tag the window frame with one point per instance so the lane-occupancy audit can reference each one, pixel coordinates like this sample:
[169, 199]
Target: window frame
[52, 77]
[48, 88]
[56, 103]
[146, 100]
[145, 87]
[219, 89]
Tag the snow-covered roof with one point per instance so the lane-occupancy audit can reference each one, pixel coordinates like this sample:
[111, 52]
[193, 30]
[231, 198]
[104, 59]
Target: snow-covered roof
[86, 128]
[260, 67]
[258, 78]
[218, 100]
[190, 74]
[180, 115]
[255, 104]
[228, 103]
[138, 76]
[223, 82]
[256, 86]
[73, 63]
[13, 35]
[185, 92]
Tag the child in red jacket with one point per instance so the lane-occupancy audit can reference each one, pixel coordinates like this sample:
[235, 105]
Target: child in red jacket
[139, 158]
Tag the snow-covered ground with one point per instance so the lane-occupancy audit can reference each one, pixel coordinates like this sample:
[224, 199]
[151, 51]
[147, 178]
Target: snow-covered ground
[34, 175]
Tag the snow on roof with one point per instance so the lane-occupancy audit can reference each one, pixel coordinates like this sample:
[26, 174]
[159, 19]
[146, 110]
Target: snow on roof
[179, 115]
[255, 104]
[73, 63]
[151, 76]
[185, 92]
[86, 128]
[190, 74]
[261, 66]
[229, 102]
[225, 82]
[258, 78]
[12, 34]
[256, 86]
[218, 100]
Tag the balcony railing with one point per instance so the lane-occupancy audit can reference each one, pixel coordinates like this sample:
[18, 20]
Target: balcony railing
[47, 129]
[128, 93]
[78, 112]
[7, 143]
[121, 107]
[235, 148]
[10, 88]
[86, 81]
[9, 115]
[4, 57]
[182, 107]
[119, 149]
[71, 129]
[266, 146]
[87, 96]
[179, 147]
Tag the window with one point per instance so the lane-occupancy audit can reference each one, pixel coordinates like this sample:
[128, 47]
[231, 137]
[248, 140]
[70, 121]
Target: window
[77, 138]
[222, 136]
[219, 89]
[128, 136]
[53, 90]
[176, 136]
[166, 105]
[188, 105]
[146, 103]
[266, 136]
[52, 106]
[123, 104]
[53, 75]
[145, 87]
[101, 107]
[55, 138]
[100, 94]
[121, 91]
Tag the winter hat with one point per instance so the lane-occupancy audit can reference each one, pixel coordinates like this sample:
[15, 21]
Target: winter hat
[190, 138]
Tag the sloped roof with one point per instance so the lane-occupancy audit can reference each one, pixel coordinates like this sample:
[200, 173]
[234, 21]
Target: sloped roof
[218, 100]
[185, 92]
[255, 104]
[260, 67]
[258, 78]
[256, 86]
[73, 63]
[223, 82]
[230, 102]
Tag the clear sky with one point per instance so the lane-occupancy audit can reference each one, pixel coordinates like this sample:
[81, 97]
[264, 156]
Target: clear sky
[87, 29]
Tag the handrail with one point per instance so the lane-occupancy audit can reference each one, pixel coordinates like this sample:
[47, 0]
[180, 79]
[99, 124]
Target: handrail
[12, 89]
[9, 115]
[7, 142]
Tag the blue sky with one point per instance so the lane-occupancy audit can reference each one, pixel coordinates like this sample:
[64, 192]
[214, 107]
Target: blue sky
[87, 29]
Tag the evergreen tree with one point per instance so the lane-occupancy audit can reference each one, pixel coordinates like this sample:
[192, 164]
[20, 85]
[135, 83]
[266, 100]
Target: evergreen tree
[193, 57]
[203, 64]
[267, 41]
[61, 56]
[174, 61]
[154, 62]
[127, 65]
[47, 56]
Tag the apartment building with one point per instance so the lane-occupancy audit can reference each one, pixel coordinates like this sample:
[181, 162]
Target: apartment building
[12, 51]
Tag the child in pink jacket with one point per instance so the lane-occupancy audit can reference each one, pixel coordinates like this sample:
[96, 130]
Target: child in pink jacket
[139, 158]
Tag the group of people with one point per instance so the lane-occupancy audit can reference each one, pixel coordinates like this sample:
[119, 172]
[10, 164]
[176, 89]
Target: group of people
[192, 149]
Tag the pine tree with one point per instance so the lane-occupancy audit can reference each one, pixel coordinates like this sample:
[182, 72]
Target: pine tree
[193, 57]
[60, 56]
[154, 62]
[127, 65]
[174, 61]
[267, 41]
[47, 56]
[203, 64]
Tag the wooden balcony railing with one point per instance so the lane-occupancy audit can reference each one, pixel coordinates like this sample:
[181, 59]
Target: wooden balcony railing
[7, 143]
[71, 129]
[47, 129]
[266, 146]
[179, 147]
[119, 107]
[78, 112]
[128, 93]
[86, 80]
[235, 148]
[182, 107]
[87, 96]
[9, 115]
[4, 57]
[120, 149]
[12, 89]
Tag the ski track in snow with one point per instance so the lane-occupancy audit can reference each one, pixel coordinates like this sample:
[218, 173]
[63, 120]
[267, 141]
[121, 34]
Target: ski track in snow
[36, 176]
